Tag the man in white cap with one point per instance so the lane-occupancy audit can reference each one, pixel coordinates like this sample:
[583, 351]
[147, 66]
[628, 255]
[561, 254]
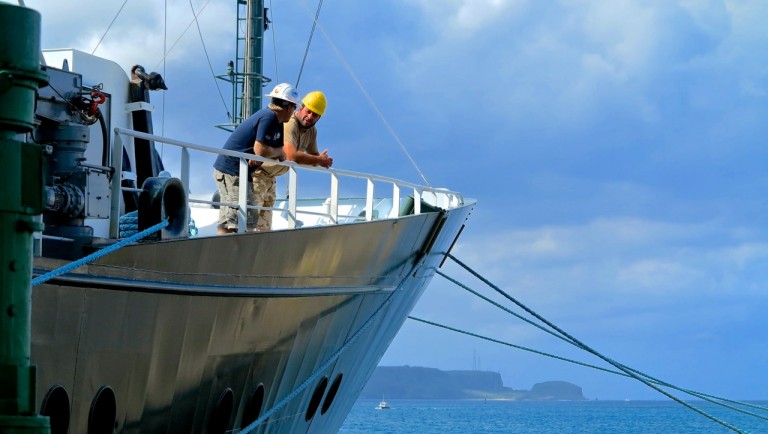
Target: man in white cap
[261, 134]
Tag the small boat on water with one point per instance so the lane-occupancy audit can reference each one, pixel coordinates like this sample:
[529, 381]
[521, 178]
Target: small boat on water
[178, 333]
[383, 405]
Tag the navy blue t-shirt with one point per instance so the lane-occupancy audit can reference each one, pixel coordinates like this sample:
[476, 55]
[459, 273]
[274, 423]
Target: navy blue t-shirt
[262, 126]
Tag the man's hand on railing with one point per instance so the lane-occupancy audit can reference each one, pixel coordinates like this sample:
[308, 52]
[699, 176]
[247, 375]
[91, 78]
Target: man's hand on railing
[255, 163]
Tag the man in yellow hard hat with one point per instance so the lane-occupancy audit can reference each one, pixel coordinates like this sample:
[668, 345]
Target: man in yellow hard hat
[300, 145]
[301, 133]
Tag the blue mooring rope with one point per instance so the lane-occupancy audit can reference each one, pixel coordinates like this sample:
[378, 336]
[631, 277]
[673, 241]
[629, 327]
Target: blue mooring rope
[129, 225]
[96, 255]
[319, 370]
[72, 265]
[649, 381]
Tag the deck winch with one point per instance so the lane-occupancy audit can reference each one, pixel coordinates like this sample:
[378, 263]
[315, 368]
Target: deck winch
[74, 190]
[79, 165]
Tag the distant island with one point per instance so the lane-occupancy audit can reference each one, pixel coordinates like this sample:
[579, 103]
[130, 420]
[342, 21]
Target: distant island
[413, 382]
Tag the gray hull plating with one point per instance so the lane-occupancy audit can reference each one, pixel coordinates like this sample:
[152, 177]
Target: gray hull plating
[170, 326]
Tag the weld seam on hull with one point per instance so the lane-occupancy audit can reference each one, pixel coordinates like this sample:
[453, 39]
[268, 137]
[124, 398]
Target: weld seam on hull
[208, 290]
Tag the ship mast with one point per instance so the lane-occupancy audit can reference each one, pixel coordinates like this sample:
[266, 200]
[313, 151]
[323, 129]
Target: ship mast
[245, 73]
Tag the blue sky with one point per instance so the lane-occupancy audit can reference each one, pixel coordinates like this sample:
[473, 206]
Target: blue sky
[617, 151]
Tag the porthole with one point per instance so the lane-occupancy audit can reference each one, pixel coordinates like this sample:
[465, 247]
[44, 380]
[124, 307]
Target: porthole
[101, 419]
[222, 413]
[331, 393]
[56, 407]
[252, 409]
[317, 396]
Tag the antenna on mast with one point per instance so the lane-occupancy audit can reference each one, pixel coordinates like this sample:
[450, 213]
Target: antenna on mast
[245, 73]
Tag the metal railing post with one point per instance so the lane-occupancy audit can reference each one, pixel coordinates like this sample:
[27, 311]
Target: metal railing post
[292, 191]
[369, 199]
[116, 185]
[185, 168]
[334, 209]
[242, 198]
[395, 211]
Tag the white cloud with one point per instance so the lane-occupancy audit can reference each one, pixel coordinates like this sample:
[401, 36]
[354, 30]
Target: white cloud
[623, 32]
[457, 18]
[657, 275]
[140, 32]
[711, 15]
[474, 15]
[657, 261]
[571, 64]
[743, 255]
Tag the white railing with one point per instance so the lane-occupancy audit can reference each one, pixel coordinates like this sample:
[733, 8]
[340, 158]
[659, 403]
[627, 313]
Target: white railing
[437, 197]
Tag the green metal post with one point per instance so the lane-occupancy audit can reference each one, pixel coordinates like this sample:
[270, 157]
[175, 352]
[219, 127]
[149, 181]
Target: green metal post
[22, 199]
[254, 58]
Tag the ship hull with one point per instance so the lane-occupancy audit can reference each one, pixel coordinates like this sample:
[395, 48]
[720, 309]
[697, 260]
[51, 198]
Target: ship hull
[205, 334]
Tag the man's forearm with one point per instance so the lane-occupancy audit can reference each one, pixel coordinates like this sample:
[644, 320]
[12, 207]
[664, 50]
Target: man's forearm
[267, 151]
[305, 158]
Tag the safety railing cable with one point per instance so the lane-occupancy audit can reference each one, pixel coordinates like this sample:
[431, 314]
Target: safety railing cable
[630, 372]
[98, 254]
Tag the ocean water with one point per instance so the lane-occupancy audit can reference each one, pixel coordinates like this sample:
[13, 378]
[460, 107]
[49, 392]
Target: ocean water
[626, 417]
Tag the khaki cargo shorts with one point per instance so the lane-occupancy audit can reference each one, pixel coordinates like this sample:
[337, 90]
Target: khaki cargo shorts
[264, 187]
[229, 189]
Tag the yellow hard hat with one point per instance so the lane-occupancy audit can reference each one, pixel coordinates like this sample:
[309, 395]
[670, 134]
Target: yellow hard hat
[315, 101]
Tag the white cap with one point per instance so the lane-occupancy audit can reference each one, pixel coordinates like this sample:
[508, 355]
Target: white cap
[285, 92]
